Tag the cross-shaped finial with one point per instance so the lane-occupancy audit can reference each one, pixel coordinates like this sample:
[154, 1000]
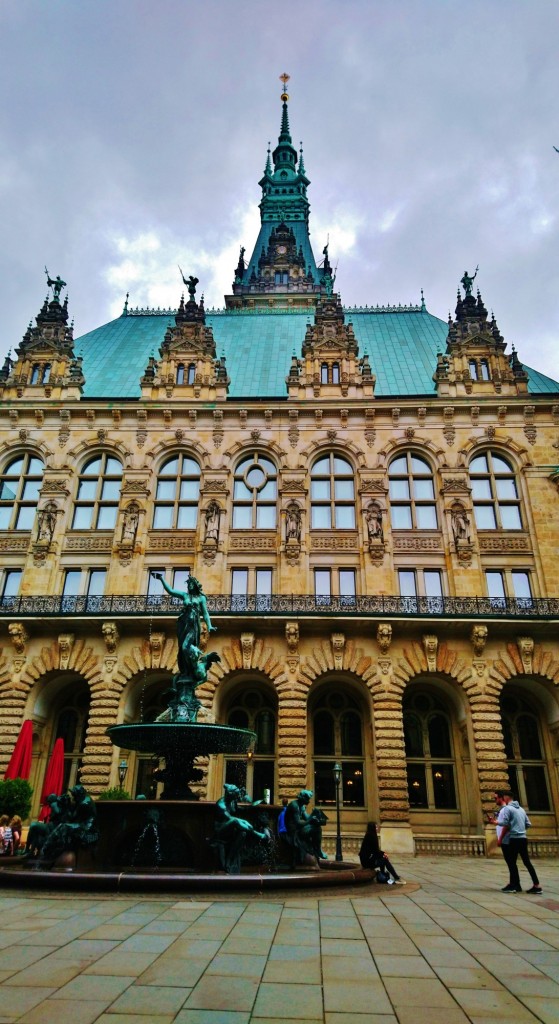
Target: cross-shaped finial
[284, 78]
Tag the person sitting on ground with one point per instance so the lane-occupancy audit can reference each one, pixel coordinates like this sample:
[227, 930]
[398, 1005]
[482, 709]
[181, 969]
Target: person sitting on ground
[371, 856]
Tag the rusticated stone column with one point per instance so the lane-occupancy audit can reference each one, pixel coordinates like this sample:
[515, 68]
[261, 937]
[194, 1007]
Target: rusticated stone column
[490, 747]
[99, 751]
[391, 759]
[292, 741]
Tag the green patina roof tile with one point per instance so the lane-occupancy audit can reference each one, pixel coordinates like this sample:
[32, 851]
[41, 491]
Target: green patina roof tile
[402, 346]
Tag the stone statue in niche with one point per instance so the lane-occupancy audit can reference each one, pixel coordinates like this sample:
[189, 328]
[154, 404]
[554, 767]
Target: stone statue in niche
[46, 523]
[293, 520]
[460, 524]
[373, 518]
[212, 517]
[130, 524]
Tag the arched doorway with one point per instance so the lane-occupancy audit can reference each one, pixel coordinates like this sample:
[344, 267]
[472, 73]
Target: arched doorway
[253, 705]
[59, 708]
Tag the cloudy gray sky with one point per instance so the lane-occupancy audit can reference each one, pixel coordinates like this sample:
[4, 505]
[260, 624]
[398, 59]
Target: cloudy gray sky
[133, 134]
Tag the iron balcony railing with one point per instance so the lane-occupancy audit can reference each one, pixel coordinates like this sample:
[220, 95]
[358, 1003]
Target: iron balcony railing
[288, 604]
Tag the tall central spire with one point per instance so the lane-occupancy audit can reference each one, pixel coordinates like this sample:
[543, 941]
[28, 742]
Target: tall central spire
[282, 260]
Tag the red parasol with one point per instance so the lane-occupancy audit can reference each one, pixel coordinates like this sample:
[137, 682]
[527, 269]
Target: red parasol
[54, 778]
[20, 761]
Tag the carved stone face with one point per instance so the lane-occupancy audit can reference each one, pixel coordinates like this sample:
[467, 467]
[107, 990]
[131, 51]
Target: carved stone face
[526, 647]
[479, 638]
[292, 635]
[384, 635]
[431, 644]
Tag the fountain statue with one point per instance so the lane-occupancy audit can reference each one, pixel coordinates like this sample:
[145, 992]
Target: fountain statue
[176, 735]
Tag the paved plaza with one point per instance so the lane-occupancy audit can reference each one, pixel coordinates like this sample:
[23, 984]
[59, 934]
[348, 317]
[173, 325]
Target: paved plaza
[452, 951]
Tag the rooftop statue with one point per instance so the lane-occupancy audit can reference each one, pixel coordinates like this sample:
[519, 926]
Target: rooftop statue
[190, 283]
[468, 281]
[57, 284]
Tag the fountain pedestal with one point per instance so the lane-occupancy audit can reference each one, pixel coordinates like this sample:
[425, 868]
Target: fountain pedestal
[184, 827]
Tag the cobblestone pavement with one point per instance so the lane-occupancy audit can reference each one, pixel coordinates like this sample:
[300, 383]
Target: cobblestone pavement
[453, 951]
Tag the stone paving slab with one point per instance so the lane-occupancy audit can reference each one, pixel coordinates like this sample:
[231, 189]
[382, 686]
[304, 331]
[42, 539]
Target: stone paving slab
[452, 949]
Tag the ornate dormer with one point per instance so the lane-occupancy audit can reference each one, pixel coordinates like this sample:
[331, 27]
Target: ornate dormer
[330, 367]
[45, 363]
[282, 270]
[188, 366]
[475, 362]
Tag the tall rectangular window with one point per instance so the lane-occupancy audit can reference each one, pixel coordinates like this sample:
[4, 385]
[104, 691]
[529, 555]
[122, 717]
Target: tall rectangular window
[72, 583]
[154, 588]
[11, 582]
[347, 587]
[521, 584]
[495, 588]
[180, 579]
[322, 585]
[239, 589]
[96, 582]
[263, 589]
[407, 581]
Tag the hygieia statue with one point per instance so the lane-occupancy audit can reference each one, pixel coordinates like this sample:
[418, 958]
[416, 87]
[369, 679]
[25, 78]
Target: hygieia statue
[193, 664]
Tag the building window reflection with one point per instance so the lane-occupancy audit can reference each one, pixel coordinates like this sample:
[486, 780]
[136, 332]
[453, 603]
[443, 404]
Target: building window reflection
[429, 753]
[337, 736]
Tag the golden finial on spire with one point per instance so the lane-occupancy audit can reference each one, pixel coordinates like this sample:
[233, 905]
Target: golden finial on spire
[284, 78]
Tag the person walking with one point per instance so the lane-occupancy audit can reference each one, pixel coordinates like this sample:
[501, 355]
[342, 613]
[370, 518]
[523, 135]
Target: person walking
[512, 823]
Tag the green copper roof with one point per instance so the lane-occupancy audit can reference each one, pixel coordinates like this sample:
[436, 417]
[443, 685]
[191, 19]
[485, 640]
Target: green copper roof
[402, 344]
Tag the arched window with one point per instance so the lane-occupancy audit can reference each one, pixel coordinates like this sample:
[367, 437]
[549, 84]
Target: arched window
[35, 371]
[495, 493]
[254, 709]
[337, 728]
[335, 373]
[255, 494]
[180, 373]
[96, 505]
[412, 493]
[429, 753]
[177, 494]
[524, 749]
[324, 373]
[191, 373]
[46, 373]
[19, 492]
[332, 494]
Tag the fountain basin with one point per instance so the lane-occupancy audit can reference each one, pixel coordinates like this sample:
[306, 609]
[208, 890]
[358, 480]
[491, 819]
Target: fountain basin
[192, 739]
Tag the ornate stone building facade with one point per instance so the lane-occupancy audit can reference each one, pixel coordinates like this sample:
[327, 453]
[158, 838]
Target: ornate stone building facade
[369, 497]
